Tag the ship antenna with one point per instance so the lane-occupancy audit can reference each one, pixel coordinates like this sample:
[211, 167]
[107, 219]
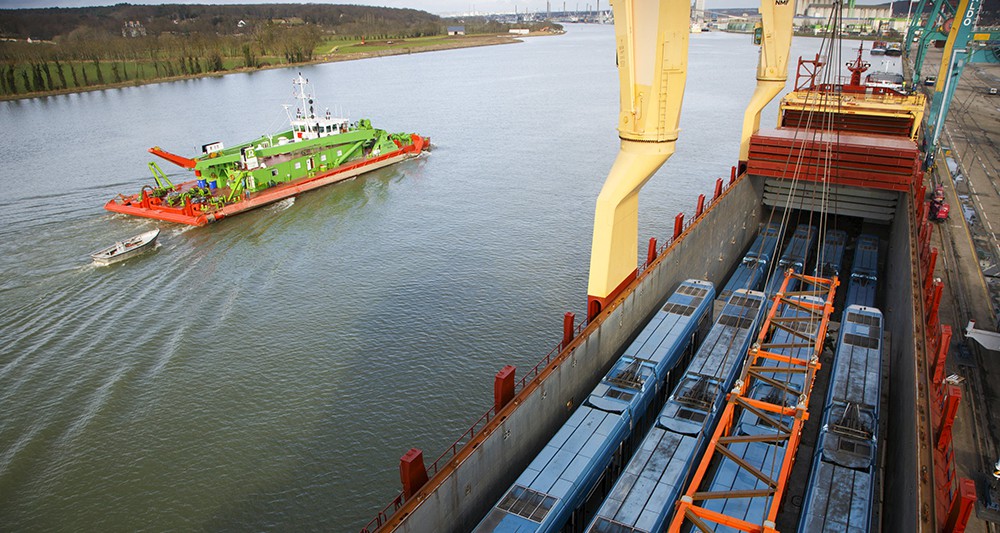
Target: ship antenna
[300, 94]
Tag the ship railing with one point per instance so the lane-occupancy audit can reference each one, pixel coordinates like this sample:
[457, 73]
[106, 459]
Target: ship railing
[383, 516]
[689, 222]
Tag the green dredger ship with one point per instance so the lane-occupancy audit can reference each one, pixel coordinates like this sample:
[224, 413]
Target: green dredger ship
[316, 151]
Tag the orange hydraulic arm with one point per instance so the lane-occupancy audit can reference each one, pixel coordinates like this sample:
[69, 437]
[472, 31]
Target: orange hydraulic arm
[173, 158]
[804, 330]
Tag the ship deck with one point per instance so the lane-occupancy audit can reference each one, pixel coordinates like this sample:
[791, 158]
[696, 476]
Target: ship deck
[193, 215]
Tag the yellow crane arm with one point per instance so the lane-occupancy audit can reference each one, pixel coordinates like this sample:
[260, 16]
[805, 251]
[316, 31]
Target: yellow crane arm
[651, 41]
[775, 39]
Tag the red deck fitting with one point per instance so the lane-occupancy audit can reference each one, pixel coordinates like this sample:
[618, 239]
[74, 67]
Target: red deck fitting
[962, 506]
[944, 344]
[953, 396]
[651, 251]
[412, 472]
[569, 325]
[503, 386]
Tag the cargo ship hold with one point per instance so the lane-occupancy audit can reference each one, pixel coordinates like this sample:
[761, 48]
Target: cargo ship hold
[809, 396]
[318, 150]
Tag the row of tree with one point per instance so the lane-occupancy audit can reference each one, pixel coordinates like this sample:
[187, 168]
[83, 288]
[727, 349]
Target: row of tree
[90, 47]
[89, 57]
[48, 24]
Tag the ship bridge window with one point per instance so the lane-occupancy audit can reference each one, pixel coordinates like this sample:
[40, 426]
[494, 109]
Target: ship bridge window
[527, 503]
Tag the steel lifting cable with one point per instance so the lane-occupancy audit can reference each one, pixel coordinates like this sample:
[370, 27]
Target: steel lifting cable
[834, 21]
[829, 121]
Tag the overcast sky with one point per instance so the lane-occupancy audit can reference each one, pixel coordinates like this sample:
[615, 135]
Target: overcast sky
[440, 7]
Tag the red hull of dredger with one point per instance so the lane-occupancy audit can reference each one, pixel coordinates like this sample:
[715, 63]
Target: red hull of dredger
[141, 205]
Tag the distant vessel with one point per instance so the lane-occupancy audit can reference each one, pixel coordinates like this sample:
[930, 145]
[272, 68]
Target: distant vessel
[316, 151]
[885, 80]
[126, 249]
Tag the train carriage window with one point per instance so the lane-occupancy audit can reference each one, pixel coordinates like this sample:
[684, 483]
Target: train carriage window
[867, 320]
[527, 503]
[688, 290]
[678, 309]
[620, 395]
[693, 416]
[735, 321]
[861, 341]
[854, 447]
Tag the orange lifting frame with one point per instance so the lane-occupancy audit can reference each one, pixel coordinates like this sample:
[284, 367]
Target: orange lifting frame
[688, 509]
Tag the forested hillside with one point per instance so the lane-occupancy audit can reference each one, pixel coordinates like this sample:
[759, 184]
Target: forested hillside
[67, 49]
[346, 20]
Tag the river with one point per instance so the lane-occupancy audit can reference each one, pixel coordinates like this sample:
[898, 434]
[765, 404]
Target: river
[267, 372]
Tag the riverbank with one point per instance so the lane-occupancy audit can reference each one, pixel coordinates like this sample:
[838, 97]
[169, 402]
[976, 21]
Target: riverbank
[347, 52]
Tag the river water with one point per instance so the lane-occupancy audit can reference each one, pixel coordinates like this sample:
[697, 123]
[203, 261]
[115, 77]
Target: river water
[267, 372]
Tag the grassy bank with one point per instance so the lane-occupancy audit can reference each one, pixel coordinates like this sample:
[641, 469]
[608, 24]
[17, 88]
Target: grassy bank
[33, 80]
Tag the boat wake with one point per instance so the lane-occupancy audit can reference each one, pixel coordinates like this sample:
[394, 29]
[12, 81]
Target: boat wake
[282, 205]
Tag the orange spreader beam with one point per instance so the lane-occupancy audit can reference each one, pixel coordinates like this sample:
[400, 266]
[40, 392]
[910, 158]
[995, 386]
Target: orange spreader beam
[804, 335]
[180, 161]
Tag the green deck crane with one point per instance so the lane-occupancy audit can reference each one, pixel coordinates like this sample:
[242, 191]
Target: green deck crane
[964, 45]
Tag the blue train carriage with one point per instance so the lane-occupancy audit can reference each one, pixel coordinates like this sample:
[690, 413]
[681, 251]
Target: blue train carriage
[841, 485]
[795, 255]
[765, 456]
[753, 269]
[832, 254]
[560, 479]
[644, 497]
[864, 273]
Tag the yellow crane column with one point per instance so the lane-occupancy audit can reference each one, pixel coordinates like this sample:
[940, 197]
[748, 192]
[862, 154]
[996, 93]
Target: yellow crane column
[774, 36]
[651, 38]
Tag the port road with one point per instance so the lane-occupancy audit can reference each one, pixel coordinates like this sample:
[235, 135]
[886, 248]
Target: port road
[969, 264]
